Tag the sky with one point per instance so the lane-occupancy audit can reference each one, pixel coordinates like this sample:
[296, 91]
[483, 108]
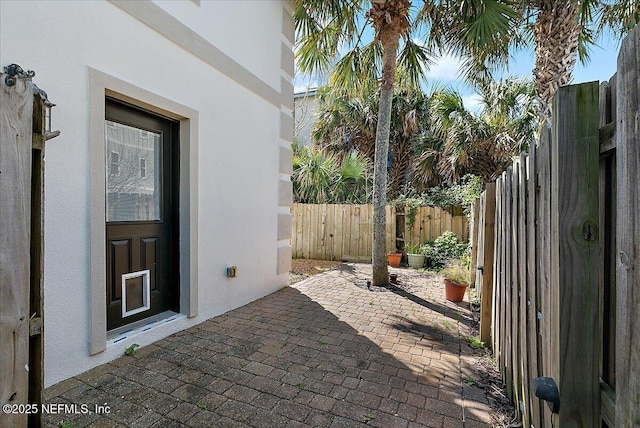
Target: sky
[445, 71]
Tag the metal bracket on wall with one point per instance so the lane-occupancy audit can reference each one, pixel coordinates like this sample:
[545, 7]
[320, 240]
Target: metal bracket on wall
[14, 71]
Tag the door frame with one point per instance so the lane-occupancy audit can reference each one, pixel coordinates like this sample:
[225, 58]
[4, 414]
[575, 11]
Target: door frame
[102, 86]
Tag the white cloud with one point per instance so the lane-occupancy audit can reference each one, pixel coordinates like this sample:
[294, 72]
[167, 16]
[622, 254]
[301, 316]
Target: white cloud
[447, 67]
[472, 102]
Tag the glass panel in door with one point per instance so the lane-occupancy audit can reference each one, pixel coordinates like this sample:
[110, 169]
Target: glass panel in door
[133, 173]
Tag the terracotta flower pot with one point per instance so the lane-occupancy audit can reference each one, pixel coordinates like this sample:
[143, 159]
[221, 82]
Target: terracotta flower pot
[394, 259]
[454, 291]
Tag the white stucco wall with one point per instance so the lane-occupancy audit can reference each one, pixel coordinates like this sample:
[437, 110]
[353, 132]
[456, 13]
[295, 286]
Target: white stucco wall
[240, 18]
[239, 149]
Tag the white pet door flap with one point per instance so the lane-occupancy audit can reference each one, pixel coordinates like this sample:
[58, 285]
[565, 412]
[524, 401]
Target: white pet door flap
[135, 293]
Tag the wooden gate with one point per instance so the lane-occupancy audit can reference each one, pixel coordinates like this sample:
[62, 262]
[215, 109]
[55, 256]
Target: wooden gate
[23, 132]
[566, 264]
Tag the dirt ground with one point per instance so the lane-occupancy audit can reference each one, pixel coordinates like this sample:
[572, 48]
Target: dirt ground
[304, 268]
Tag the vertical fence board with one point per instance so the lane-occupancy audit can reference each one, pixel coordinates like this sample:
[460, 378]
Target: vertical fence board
[331, 232]
[430, 213]
[497, 267]
[508, 366]
[544, 247]
[503, 277]
[355, 229]
[477, 247]
[475, 274]
[515, 288]
[446, 217]
[346, 233]
[294, 229]
[300, 227]
[367, 222]
[628, 233]
[522, 290]
[488, 225]
[313, 227]
[533, 345]
[437, 227]
[394, 219]
[575, 253]
[338, 235]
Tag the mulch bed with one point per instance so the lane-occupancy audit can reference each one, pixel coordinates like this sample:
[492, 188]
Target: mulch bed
[304, 268]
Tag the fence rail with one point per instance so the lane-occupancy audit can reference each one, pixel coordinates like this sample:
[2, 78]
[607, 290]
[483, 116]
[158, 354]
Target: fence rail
[566, 267]
[331, 232]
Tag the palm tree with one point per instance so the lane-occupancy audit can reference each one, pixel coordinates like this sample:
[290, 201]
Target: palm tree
[619, 16]
[324, 178]
[324, 27]
[483, 143]
[562, 32]
[348, 122]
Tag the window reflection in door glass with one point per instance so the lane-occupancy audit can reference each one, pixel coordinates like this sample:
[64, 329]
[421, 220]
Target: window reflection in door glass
[133, 173]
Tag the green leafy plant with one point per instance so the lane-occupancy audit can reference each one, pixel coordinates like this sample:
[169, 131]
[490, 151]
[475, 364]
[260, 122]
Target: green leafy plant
[475, 343]
[462, 195]
[299, 385]
[368, 417]
[414, 249]
[320, 177]
[444, 248]
[131, 350]
[64, 424]
[468, 381]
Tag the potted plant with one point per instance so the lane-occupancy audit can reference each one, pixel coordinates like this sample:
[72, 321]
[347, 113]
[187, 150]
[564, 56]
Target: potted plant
[456, 279]
[415, 256]
[394, 259]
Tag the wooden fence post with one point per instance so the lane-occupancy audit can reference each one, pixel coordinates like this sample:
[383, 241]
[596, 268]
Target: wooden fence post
[15, 236]
[575, 251]
[488, 225]
[628, 233]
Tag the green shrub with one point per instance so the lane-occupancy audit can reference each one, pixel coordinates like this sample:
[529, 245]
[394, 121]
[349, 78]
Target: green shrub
[475, 342]
[444, 248]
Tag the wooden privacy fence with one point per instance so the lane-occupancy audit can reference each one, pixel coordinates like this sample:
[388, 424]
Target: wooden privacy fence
[331, 232]
[559, 252]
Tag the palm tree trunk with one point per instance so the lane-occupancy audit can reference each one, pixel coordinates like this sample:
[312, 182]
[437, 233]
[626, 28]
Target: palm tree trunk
[556, 34]
[380, 270]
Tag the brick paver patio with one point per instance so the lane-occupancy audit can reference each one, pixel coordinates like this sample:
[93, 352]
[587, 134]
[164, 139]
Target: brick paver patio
[325, 352]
